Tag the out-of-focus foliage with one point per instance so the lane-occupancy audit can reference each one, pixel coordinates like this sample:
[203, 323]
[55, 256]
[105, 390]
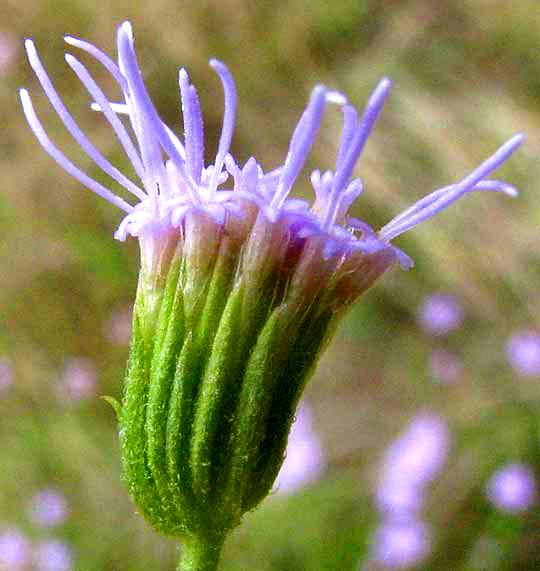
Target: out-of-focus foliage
[466, 76]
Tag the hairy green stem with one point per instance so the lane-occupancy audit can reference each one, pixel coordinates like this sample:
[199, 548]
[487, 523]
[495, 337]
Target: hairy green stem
[200, 553]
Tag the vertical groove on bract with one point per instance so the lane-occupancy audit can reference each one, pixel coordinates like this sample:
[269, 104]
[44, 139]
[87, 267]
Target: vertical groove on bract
[179, 426]
[133, 436]
[302, 358]
[167, 346]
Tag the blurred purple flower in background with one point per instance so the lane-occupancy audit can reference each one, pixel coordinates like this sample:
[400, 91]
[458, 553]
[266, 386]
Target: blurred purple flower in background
[512, 488]
[439, 314]
[53, 556]
[397, 499]
[400, 544]
[48, 508]
[444, 366]
[79, 380]
[410, 463]
[6, 375]
[8, 51]
[14, 550]
[523, 352]
[118, 328]
[304, 460]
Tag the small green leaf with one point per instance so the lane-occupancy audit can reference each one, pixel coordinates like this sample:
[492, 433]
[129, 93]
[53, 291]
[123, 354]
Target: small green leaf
[115, 404]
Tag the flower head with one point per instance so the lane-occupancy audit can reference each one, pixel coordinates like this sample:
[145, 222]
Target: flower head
[240, 289]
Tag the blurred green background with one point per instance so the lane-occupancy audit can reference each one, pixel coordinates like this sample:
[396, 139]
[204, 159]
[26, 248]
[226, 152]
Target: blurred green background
[466, 77]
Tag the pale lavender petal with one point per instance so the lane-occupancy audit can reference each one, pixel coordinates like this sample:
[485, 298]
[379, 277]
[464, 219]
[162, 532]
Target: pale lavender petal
[103, 58]
[178, 214]
[175, 141]
[62, 160]
[245, 179]
[111, 116]
[121, 233]
[451, 193]
[124, 109]
[493, 185]
[405, 262]
[271, 179]
[151, 130]
[300, 145]
[70, 123]
[193, 127]
[229, 116]
[355, 147]
[349, 195]
[148, 124]
[350, 120]
[497, 186]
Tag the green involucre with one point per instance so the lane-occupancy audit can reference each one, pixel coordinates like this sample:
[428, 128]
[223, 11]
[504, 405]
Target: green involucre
[222, 348]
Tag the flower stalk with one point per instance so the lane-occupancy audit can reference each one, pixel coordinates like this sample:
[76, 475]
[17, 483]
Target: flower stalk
[200, 554]
[240, 289]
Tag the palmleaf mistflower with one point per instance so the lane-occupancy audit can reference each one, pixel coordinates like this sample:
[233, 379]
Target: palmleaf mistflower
[240, 288]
